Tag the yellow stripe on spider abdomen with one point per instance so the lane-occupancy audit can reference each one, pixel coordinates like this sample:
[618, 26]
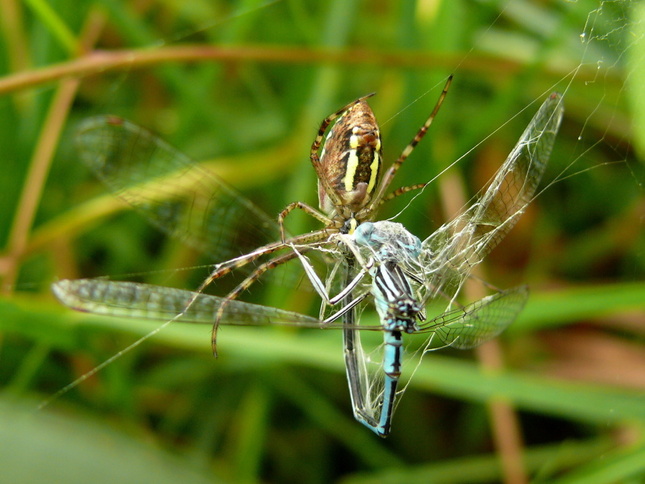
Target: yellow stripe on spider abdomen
[351, 159]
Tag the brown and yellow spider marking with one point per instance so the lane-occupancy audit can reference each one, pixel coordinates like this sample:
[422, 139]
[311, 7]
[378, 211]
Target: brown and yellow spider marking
[350, 161]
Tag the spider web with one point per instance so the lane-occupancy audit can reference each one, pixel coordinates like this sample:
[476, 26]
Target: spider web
[607, 49]
[602, 54]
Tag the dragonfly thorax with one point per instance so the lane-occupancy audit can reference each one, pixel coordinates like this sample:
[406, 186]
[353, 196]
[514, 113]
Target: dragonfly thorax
[388, 240]
[395, 301]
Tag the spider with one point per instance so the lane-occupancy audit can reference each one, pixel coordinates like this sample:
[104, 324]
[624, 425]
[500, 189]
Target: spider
[350, 188]
[349, 192]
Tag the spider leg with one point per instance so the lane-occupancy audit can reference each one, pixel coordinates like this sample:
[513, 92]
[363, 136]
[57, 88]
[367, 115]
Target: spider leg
[401, 190]
[305, 208]
[389, 175]
[223, 268]
[243, 286]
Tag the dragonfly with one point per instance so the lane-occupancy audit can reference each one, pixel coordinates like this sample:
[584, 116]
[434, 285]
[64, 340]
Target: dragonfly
[154, 302]
[405, 274]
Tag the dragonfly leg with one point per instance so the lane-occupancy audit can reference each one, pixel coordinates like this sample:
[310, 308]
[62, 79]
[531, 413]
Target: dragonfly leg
[319, 285]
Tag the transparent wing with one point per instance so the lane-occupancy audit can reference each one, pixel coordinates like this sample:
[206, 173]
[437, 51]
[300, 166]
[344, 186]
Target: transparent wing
[146, 301]
[375, 393]
[172, 191]
[456, 247]
[447, 258]
[480, 321]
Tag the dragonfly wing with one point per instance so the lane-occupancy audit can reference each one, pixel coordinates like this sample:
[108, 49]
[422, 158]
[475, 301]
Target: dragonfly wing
[461, 244]
[480, 321]
[146, 301]
[174, 193]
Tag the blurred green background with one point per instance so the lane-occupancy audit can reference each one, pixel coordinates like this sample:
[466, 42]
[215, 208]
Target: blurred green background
[243, 86]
